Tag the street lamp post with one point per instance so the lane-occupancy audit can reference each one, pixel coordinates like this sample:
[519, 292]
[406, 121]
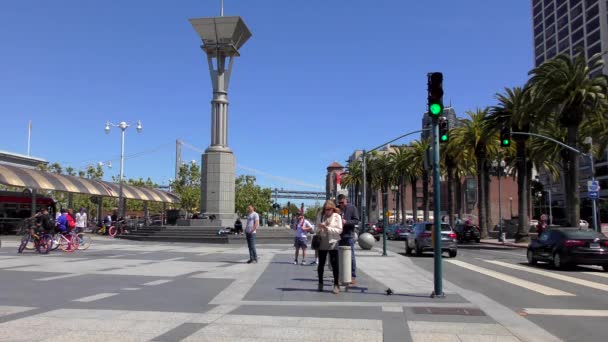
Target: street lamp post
[500, 166]
[589, 140]
[123, 126]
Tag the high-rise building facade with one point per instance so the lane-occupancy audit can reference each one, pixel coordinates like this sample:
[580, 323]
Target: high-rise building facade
[569, 26]
[566, 27]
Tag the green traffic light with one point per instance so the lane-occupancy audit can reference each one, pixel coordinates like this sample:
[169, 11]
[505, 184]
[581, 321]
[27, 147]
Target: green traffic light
[435, 108]
[506, 142]
[444, 138]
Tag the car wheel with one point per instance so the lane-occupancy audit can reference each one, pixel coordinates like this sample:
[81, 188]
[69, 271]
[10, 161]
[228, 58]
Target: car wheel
[530, 257]
[478, 240]
[605, 267]
[453, 253]
[557, 261]
[418, 250]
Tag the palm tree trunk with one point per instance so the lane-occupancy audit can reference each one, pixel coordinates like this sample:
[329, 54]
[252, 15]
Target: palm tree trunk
[488, 196]
[460, 203]
[402, 197]
[450, 172]
[481, 194]
[413, 181]
[573, 193]
[522, 193]
[425, 195]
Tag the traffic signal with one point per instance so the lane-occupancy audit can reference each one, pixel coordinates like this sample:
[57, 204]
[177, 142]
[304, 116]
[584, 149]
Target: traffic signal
[444, 130]
[505, 136]
[435, 93]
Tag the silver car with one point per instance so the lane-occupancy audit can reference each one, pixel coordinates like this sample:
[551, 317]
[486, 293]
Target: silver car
[420, 240]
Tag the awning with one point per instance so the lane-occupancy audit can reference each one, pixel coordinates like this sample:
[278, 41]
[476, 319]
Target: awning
[28, 178]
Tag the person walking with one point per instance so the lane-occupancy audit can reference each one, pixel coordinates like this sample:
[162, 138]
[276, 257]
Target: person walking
[350, 218]
[253, 222]
[330, 229]
[81, 220]
[300, 241]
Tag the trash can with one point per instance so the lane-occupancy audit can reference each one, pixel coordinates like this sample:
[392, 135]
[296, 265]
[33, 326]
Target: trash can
[345, 265]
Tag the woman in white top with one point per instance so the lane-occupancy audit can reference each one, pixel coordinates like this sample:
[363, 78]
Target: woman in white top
[81, 220]
[329, 230]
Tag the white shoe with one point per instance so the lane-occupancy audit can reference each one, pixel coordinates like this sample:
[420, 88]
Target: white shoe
[295, 262]
[303, 263]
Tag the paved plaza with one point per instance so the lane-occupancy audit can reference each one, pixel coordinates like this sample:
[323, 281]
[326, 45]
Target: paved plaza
[141, 291]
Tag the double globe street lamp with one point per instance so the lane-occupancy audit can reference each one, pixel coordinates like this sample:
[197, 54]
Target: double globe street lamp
[123, 126]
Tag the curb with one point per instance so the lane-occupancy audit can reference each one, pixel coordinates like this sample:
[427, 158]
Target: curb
[506, 244]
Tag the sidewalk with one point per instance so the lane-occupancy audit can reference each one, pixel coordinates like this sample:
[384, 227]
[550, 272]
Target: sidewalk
[198, 292]
[506, 243]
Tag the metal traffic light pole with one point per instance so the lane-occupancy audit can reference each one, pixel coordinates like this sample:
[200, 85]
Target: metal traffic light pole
[589, 155]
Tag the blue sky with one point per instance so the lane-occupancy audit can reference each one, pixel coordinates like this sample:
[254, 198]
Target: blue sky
[317, 80]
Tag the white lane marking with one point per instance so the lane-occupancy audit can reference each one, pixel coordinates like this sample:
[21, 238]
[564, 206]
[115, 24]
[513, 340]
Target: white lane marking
[174, 259]
[547, 291]
[117, 256]
[566, 312]
[558, 276]
[131, 288]
[519, 255]
[58, 277]
[392, 309]
[157, 282]
[94, 297]
[598, 274]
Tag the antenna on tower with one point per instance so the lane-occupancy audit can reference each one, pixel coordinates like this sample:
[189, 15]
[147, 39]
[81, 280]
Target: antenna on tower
[222, 8]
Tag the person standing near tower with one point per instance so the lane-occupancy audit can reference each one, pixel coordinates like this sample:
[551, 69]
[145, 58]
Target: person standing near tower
[253, 222]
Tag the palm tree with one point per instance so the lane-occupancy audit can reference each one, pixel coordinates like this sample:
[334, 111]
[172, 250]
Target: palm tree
[353, 177]
[417, 170]
[517, 109]
[457, 164]
[475, 136]
[574, 95]
[401, 165]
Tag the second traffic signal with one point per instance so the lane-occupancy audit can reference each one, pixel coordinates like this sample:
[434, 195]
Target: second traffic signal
[435, 94]
[505, 136]
[444, 130]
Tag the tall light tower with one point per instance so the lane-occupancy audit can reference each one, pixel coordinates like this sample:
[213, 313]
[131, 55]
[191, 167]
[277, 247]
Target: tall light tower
[222, 38]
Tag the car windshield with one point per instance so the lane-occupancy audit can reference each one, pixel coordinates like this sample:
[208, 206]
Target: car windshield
[583, 234]
[444, 227]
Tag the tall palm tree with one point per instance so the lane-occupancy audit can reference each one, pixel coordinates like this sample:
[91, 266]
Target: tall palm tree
[475, 136]
[400, 160]
[418, 151]
[518, 109]
[574, 94]
[457, 164]
[353, 177]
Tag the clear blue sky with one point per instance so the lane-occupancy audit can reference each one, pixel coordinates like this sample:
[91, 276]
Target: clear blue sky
[317, 80]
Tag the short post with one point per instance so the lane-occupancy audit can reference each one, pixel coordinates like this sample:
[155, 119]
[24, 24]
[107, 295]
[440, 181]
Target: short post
[345, 265]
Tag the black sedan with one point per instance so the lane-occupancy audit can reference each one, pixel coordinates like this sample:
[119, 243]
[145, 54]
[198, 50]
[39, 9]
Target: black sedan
[562, 247]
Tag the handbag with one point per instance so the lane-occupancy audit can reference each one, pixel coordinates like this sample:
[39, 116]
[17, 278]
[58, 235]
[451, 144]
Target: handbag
[316, 242]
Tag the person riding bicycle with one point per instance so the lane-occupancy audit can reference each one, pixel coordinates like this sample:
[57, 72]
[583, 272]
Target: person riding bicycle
[43, 221]
[62, 221]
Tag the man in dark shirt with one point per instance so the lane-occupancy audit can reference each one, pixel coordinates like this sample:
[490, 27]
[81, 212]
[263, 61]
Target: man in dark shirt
[43, 221]
[350, 218]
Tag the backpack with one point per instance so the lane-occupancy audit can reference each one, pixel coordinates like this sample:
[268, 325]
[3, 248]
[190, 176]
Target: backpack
[71, 223]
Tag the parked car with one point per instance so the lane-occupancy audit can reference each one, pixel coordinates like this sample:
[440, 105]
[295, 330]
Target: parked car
[420, 240]
[397, 232]
[375, 230]
[567, 246]
[467, 233]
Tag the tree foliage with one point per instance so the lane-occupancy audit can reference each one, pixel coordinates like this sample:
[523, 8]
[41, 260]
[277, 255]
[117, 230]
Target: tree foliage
[247, 192]
[188, 186]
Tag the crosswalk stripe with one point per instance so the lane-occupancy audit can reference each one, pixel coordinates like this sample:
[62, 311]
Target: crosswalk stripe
[591, 284]
[566, 312]
[548, 291]
[58, 277]
[94, 297]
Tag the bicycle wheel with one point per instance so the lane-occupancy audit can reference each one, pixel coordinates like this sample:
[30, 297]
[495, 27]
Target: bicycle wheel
[44, 245]
[55, 241]
[112, 231]
[69, 243]
[84, 241]
[25, 239]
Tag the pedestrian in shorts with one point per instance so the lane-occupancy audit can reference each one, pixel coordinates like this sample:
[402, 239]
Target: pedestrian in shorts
[302, 226]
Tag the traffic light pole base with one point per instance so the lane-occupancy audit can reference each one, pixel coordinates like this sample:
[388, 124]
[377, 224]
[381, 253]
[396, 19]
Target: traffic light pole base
[433, 295]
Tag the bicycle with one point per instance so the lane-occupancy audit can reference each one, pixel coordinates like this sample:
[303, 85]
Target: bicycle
[42, 242]
[118, 228]
[68, 242]
[84, 240]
